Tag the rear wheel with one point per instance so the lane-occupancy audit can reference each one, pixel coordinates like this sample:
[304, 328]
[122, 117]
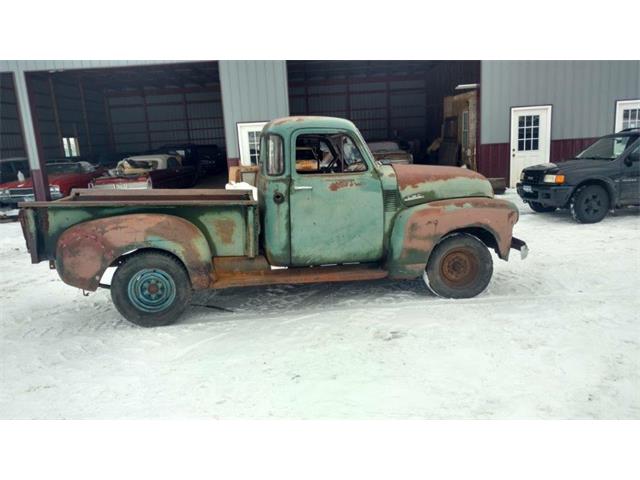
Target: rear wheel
[460, 266]
[151, 289]
[589, 204]
[538, 207]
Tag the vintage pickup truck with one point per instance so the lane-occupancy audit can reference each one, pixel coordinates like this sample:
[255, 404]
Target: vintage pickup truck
[346, 218]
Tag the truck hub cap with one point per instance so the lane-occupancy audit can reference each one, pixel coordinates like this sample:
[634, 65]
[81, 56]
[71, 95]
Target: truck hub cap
[151, 290]
[592, 205]
[459, 268]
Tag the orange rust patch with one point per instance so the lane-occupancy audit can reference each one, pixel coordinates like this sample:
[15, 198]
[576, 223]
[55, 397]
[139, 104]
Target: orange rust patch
[335, 186]
[225, 228]
[85, 250]
[414, 175]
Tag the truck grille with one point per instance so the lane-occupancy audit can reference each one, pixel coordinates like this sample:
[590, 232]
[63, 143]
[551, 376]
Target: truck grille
[20, 191]
[533, 177]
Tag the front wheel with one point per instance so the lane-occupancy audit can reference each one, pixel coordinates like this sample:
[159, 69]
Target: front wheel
[589, 204]
[151, 289]
[460, 266]
[538, 207]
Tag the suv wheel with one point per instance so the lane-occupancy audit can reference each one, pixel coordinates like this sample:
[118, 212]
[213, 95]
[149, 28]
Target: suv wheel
[589, 204]
[538, 207]
[460, 266]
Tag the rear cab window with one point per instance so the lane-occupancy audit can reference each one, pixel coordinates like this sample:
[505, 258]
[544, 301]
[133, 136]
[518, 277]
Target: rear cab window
[272, 155]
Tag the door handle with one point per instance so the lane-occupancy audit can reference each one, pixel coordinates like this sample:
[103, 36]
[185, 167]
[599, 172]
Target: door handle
[303, 187]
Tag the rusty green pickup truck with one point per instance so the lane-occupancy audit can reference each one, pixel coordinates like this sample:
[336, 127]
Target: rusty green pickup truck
[326, 210]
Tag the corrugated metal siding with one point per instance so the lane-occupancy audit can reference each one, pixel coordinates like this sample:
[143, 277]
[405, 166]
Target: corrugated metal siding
[92, 135]
[37, 65]
[383, 98]
[155, 118]
[583, 95]
[11, 143]
[252, 90]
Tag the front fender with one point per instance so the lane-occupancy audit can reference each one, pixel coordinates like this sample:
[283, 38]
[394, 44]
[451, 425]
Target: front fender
[86, 250]
[417, 230]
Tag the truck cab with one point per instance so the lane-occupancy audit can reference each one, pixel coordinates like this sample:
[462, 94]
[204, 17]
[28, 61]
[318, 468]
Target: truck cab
[327, 211]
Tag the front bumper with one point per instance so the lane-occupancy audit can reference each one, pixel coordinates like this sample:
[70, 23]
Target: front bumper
[12, 201]
[547, 195]
[521, 246]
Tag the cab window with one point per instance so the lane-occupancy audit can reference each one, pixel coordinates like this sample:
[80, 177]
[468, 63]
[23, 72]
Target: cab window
[273, 155]
[328, 154]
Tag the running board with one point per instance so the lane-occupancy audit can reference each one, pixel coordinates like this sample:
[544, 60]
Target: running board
[298, 275]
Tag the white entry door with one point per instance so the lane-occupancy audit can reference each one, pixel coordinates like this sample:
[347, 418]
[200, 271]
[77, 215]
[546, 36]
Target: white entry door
[249, 142]
[530, 138]
[627, 114]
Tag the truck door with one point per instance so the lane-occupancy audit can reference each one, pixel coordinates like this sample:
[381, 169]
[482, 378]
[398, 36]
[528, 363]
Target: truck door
[335, 200]
[273, 199]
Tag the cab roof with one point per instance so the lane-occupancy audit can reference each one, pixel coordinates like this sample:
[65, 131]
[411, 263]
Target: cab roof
[286, 125]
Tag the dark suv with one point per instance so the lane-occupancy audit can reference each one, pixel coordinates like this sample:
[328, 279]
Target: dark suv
[604, 176]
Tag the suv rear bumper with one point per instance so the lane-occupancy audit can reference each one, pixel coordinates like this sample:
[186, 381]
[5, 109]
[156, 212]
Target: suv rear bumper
[547, 195]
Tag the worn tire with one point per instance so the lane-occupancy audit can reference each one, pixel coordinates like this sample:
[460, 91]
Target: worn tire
[460, 266]
[538, 207]
[589, 204]
[151, 289]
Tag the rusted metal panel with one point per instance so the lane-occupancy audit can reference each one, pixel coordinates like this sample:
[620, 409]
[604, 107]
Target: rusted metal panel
[425, 183]
[86, 250]
[417, 230]
[301, 275]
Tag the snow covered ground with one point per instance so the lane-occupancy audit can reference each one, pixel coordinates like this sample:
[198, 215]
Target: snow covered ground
[554, 336]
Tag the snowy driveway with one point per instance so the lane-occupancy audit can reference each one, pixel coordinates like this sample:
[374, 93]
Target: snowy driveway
[554, 336]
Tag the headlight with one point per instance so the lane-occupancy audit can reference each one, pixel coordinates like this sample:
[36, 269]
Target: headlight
[556, 179]
[522, 175]
[54, 188]
[4, 192]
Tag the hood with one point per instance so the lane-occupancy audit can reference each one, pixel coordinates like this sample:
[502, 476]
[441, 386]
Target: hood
[426, 183]
[27, 183]
[568, 166]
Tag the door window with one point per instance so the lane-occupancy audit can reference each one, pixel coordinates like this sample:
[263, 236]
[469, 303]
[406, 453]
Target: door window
[627, 114]
[328, 154]
[528, 132]
[630, 118]
[249, 142]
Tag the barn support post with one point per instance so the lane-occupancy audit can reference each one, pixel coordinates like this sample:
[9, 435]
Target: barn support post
[85, 118]
[56, 116]
[34, 152]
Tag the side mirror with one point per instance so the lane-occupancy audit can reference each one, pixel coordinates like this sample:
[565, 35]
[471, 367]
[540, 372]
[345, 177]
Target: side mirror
[632, 157]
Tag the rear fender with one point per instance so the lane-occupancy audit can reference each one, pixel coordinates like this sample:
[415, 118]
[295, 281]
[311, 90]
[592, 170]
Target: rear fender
[86, 250]
[417, 230]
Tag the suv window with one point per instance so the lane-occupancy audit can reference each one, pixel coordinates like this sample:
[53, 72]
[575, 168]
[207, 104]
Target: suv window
[608, 148]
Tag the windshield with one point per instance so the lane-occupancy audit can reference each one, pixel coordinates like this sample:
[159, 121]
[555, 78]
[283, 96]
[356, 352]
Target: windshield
[608, 148]
[146, 164]
[59, 168]
[9, 170]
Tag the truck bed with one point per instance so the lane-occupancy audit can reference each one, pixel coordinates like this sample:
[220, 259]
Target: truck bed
[227, 218]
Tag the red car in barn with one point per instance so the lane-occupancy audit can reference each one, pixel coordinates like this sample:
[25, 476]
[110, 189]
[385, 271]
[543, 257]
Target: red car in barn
[63, 177]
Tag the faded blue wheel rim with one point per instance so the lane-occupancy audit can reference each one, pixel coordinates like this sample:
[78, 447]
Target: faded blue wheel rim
[151, 290]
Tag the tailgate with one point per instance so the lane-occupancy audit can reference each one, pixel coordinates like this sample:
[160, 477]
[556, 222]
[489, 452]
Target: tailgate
[27, 217]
